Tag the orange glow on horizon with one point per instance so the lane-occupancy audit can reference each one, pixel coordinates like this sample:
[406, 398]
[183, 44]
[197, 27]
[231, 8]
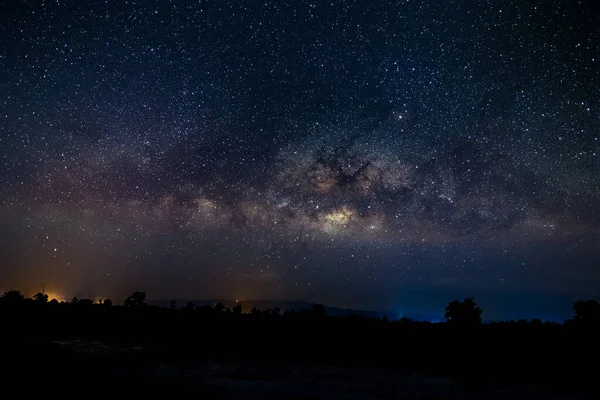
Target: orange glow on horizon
[53, 296]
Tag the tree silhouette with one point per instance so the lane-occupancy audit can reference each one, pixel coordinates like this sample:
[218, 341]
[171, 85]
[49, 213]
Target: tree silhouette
[237, 310]
[107, 302]
[40, 297]
[464, 312]
[137, 299]
[587, 311]
[12, 298]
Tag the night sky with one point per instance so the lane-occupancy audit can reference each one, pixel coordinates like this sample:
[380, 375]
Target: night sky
[388, 155]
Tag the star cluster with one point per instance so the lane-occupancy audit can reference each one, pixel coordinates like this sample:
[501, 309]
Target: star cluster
[360, 153]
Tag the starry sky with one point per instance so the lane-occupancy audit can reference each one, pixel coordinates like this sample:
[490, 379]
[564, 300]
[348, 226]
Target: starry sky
[389, 155]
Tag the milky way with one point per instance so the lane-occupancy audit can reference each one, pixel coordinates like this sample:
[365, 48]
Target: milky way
[389, 155]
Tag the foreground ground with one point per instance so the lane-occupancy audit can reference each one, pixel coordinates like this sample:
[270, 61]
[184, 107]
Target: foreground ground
[93, 367]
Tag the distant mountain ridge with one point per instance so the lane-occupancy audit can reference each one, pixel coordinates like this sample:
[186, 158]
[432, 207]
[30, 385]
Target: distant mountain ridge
[282, 305]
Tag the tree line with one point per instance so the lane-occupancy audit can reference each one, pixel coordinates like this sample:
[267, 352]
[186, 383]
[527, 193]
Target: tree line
[465, 312]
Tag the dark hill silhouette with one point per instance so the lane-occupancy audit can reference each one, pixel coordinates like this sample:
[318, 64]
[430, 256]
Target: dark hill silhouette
[282, 305]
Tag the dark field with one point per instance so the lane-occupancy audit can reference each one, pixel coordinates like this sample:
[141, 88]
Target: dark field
[81, 366]
[219, 353]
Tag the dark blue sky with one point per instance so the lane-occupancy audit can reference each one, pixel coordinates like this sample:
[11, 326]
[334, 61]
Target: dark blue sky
[383, 155]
